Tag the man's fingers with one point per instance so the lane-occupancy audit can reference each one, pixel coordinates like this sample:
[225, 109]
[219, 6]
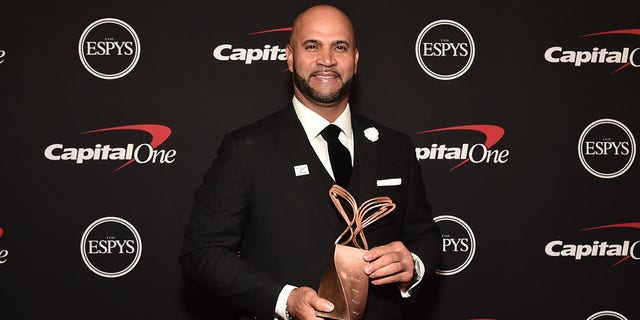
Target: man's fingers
[394, 278]
[375, 253]
[304, 301]
[380, 262]
[384, 269]
[393, 273]
[390, 263]
[321, 304]
[386, 255]
[379, 251]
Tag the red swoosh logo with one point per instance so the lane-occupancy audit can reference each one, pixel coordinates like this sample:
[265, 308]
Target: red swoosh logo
[635, 32]
[286, 29]
[633, 225]
[159, 134]
[492, 134]
[271, 31]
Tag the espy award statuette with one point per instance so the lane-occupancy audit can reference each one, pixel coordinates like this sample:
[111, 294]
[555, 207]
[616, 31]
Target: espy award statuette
[344, 282]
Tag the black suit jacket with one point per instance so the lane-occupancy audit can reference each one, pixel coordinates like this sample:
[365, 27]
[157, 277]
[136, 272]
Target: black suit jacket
[256, 226]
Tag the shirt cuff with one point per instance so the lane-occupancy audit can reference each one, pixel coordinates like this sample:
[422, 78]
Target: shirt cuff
[418, 268]
[281, 304]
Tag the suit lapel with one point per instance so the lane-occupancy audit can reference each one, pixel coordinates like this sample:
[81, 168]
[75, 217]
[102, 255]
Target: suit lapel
[365, 159]
[317, 182]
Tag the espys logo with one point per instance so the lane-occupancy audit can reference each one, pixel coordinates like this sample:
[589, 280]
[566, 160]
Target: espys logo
[458, 244]
[445, 49]
[467, 152]
[4, 254]
[607, 148]
[269, 52]
[599, 54]
[111, 247]
[109, 48]
[624, 250]
[142, 153]
[604, 315]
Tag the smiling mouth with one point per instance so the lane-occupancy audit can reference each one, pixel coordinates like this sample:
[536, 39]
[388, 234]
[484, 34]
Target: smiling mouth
[325, 75]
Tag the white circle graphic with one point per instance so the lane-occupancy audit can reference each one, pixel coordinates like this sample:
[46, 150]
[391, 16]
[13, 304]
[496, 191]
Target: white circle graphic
[94, 268]
[606, 313]
[108, 76]
[595, 172]
[472, 50]
[472, 239]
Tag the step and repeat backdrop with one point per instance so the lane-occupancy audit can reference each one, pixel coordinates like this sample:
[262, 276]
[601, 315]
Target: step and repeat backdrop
[524, 118]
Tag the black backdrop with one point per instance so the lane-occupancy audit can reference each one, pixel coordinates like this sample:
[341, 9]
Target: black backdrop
[539, 193]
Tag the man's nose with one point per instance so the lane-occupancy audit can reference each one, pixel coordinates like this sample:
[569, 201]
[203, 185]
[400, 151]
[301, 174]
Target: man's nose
[326, 57]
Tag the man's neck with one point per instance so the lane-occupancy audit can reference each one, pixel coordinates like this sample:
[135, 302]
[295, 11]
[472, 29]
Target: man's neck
[330, 112]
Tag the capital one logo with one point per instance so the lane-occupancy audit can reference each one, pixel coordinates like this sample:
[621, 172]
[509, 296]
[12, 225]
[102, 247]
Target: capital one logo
[458, 244]
[145, 153]
[111, 247]
[109, 48]
[599, 54]
[607, 315]
[268, 52]
[607, 148]
[624, 250]
[445, 49]
[466, 152]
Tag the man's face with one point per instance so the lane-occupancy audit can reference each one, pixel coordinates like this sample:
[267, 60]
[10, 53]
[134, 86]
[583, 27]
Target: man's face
[322, 57]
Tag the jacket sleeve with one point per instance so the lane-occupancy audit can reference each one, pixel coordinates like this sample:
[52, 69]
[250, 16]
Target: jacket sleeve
[420, 233]
[211, 250]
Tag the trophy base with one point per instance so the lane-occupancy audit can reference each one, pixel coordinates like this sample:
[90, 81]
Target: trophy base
[345, 284]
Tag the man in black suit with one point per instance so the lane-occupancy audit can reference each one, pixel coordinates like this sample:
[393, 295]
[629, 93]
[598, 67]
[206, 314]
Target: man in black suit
[263, 227]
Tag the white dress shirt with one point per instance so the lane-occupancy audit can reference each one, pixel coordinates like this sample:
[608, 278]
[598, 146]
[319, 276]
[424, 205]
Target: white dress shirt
[314, 123]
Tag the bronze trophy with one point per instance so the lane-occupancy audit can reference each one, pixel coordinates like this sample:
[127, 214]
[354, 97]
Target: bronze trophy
[344, 282]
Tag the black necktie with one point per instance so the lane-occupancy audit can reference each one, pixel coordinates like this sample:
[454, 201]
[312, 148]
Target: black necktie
[338, 154]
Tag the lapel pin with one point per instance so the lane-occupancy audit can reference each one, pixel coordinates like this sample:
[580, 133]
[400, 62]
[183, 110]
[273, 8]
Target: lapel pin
[301, 170]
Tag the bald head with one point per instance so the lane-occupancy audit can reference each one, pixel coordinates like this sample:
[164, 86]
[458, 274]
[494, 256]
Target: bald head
[323, 59]
[323, 18]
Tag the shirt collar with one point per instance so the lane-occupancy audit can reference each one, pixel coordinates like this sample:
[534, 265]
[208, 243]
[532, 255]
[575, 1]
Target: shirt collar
[314, 123]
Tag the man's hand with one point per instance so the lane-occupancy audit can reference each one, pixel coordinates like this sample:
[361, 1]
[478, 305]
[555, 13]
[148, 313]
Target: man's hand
[390, 263]
[303, 303]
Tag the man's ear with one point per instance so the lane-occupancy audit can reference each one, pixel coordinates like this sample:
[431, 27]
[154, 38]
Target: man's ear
[355, 66]
[289, 51]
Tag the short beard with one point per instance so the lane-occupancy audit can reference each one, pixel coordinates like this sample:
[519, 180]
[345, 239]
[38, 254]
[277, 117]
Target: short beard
[322, 98]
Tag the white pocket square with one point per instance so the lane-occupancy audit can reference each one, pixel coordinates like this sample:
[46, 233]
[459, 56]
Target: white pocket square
[389, 182]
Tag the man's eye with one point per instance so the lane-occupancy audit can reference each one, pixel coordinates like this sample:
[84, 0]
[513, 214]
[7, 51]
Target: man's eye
[311, 47]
